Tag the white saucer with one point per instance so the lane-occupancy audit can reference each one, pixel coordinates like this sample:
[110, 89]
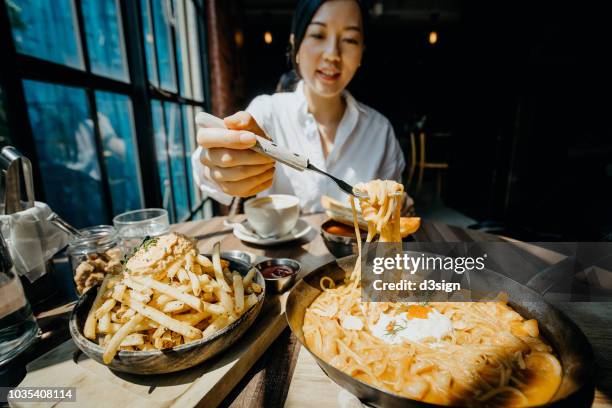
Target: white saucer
[245, 233]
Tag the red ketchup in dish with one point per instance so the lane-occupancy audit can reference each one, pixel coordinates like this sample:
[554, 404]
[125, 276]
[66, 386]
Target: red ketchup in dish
[277, 271]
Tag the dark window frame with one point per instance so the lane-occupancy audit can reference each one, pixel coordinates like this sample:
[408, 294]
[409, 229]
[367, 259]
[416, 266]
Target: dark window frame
[18, 67]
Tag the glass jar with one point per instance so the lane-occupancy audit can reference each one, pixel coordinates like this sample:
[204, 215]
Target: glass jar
[94, 255]
[18, 328]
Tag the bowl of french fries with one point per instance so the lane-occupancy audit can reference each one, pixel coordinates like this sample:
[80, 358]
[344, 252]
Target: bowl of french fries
[169, 309]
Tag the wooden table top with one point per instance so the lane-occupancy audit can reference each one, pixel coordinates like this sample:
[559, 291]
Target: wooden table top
[268, 382]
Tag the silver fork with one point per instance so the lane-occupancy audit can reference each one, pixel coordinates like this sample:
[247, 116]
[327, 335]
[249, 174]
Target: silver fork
[280, 154]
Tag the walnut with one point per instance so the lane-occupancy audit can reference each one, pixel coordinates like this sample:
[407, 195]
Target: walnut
[113, 266]
[99, 264]
[94, 279]
[114, 254]
[84, 268]
[92, 271]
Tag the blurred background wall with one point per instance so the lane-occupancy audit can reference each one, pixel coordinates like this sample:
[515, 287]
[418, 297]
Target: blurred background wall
[513, 95]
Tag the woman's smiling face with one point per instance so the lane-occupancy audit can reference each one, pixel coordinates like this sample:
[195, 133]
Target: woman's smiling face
[331, 50]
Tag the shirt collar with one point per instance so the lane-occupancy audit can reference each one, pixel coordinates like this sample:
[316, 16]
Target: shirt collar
[347, 124]
[351, 103]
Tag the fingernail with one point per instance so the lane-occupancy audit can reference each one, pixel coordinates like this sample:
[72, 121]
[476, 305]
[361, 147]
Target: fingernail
[247, 137]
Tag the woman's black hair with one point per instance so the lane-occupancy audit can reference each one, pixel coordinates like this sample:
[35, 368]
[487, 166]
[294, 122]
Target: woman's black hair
[304, 12]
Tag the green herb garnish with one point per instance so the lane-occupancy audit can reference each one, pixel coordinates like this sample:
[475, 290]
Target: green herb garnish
[146, 243]
[394, 328]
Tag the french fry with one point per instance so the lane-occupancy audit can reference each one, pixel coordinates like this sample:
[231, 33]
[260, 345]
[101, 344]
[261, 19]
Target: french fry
[173, 292]
[162, 318]
[162, 300]
[111, 348]
[134, 339]
[141, 297]
[195, 283]
[106, 307]
[204, 262]
[248, 278]
[118, 291]
[163, 343]
[177, 339]
[192, 318]
[218, 268]
[251, 300]
[130, 283]
[256, 287]
[228, 275]
[182, 275]
[174, 268]
[216, 325]
[127, 315]
[238, 292]
[225, 299]
[89, 329]
[145, 325]
[158, 332]
[189, 263]
[104, 323]
[173, 306]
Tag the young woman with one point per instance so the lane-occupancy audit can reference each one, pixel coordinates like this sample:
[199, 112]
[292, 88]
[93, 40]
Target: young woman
[319, 120]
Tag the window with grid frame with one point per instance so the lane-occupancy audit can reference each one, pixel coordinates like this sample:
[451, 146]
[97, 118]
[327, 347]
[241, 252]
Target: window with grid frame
[95, 144]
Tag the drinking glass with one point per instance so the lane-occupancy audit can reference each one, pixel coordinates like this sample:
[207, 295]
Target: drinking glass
[134, 226]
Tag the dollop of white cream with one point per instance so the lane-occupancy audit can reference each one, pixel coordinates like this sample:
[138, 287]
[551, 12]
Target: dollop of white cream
[402, 327]
[352, 323]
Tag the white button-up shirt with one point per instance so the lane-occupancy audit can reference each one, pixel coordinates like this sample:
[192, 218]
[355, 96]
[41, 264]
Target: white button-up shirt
[365, 148]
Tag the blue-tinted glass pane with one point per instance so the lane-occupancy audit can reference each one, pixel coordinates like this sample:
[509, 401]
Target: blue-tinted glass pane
[177, 159]
[117, 132]
[105, 38]
[46, 29]
[66, 150]
[189, 141]
[149, 43]
[162, 157]
[163, 42]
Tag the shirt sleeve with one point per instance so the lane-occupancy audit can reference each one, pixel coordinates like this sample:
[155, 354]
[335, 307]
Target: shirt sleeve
[260, 109]
[208, 187]
[394, 163]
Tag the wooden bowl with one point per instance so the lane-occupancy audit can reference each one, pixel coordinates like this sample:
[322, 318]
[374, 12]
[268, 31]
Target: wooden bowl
[169, 360]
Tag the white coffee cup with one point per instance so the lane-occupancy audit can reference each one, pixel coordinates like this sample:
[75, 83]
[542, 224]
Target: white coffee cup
[274, 215]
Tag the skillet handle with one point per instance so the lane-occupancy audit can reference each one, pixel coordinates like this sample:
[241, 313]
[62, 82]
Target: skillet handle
[544, 280]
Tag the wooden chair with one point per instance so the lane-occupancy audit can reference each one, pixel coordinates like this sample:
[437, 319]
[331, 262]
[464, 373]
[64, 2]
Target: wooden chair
[424, 164]
[413, 160]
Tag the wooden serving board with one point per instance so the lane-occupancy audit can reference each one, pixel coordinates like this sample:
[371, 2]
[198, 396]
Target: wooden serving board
[205, 385]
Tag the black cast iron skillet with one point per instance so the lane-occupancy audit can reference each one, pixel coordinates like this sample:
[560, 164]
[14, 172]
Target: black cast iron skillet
[566, 338]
